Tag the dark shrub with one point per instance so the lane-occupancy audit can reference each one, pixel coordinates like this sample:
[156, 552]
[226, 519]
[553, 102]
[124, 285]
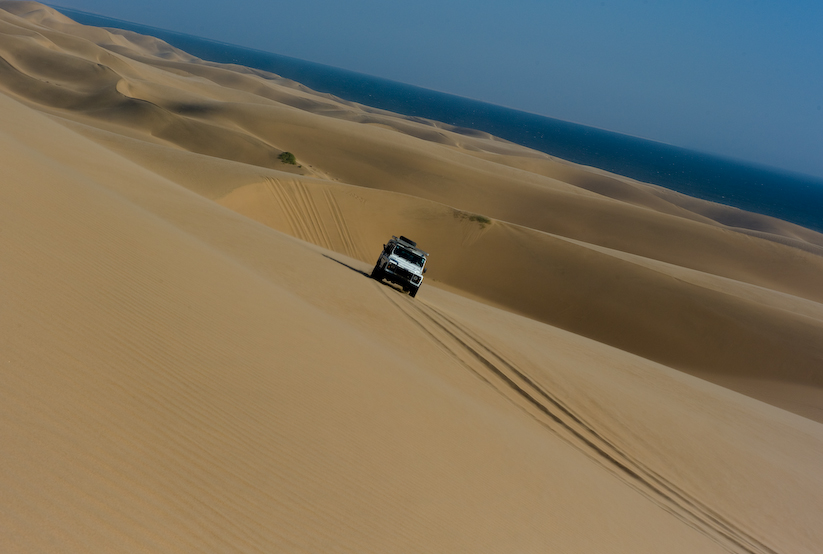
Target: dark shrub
[287, 158]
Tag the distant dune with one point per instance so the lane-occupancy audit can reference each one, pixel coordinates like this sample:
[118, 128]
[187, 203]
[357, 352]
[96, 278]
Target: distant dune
[194, 359]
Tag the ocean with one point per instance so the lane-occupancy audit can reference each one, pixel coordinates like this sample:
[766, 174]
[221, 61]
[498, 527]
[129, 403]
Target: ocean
[789, 196]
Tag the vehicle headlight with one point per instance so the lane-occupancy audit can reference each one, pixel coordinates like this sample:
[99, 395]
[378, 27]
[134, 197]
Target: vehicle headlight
[415, 278]
[391, 265]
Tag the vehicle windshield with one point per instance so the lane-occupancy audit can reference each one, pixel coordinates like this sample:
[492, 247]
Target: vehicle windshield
[409, 256]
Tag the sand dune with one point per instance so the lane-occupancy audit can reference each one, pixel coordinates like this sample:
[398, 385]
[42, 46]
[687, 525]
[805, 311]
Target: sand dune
[194, 360]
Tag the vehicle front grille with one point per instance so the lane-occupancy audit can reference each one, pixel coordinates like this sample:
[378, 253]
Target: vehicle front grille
[400, 272]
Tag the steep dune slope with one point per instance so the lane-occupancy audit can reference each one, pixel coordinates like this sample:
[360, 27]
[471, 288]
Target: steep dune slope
[176, 397]
[179, 374]
[177, 377]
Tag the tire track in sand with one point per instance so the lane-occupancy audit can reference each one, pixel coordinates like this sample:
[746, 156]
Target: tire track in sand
[492, 367]
[348, 242]
[301, 212]
[308, 217]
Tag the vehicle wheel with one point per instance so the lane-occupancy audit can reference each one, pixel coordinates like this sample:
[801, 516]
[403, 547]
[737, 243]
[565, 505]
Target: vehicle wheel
[413, 291]
[377, 273]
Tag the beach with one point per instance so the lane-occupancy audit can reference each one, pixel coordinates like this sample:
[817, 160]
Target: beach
[194, 358]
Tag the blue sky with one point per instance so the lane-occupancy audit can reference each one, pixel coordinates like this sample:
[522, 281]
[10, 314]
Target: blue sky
[742, 79]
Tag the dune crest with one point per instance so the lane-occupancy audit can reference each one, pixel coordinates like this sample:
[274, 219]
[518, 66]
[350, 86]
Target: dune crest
[194, 359]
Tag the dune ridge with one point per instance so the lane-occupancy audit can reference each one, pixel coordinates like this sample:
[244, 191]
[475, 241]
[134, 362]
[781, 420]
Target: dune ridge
[193, 357]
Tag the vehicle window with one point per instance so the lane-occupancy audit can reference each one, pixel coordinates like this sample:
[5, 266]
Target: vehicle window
[409, 256]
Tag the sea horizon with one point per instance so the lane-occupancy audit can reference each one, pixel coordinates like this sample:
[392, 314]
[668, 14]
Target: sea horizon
[791, 196]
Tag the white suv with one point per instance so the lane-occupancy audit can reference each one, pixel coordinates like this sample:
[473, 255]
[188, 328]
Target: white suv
[401, 262]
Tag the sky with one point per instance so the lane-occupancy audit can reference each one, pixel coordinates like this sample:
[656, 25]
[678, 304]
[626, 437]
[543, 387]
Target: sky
[737, 78]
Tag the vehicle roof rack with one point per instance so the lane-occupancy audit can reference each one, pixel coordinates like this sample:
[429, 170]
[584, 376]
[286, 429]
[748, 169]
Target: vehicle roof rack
[408, 243]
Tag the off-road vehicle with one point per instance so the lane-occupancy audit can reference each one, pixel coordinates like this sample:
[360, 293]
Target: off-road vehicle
[401, 262]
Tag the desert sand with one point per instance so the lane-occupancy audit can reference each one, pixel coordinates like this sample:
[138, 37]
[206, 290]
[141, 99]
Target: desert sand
[193, 358]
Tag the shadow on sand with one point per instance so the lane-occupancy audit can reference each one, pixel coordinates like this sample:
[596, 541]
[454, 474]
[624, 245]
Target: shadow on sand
[366, 274]
[361, 272]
